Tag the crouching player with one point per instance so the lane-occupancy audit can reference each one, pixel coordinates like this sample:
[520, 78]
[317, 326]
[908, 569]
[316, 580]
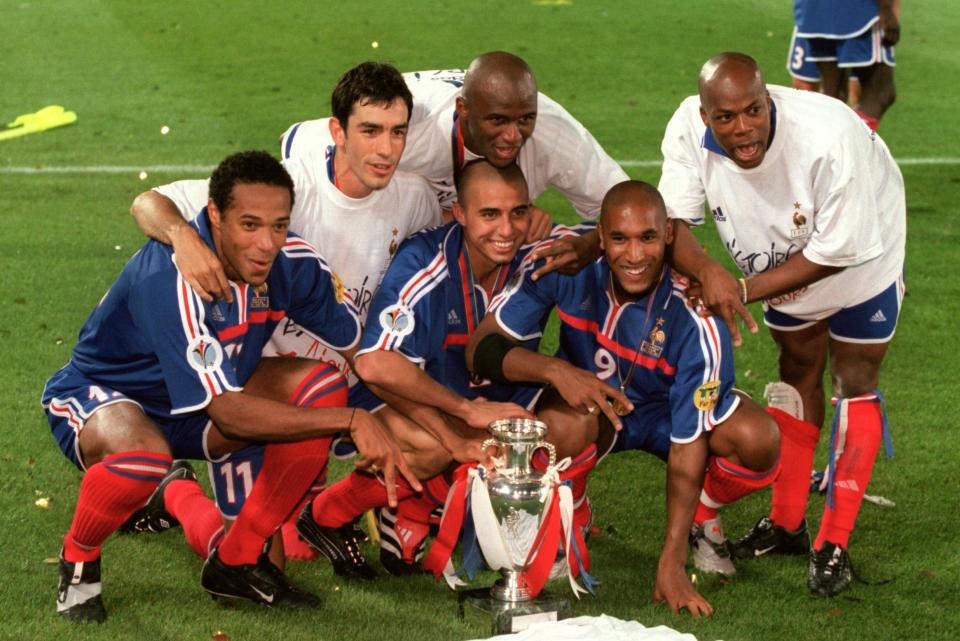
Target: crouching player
[625, 324]
[159, 373]
[431, 299]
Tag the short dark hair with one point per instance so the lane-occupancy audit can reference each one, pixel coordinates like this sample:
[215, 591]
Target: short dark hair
[370, 82]
[246, 167]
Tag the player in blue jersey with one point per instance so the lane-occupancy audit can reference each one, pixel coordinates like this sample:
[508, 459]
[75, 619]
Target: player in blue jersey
[857, 35]
[159, 373]
[432, 298]
[627, 331]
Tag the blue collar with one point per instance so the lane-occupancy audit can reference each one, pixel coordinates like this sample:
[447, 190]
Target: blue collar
[711, 144]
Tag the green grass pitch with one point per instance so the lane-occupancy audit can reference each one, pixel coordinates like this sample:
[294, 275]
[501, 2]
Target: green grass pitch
[231, 75]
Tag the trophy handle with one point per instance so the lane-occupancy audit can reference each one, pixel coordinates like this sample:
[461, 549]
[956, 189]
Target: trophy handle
[490, 442]
[551, 452]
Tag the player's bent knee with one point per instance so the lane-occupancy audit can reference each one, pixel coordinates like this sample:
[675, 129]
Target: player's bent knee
[122, 427]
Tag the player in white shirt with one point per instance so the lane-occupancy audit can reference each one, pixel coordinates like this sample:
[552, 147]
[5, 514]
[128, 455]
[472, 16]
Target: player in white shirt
[351, 204]
[810, 205]
[493, 110]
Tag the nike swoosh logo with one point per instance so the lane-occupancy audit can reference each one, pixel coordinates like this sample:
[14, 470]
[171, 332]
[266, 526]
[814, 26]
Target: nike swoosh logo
[755, 552]
[268, 598]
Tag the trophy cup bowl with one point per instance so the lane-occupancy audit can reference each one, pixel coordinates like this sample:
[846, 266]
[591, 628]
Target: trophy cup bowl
[517, 497]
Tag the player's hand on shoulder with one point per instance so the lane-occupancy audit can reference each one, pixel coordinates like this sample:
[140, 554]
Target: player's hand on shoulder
[200, 267]
[481, 412]
[567, 255]
[720, 294]
[379, 453]
[541, 224]
[674, 588]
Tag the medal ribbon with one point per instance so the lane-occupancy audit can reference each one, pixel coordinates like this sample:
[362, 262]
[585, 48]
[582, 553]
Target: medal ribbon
[331, 173]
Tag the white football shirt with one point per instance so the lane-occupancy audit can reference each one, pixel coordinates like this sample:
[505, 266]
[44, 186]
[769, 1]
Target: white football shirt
[561, 152]
[827, 186]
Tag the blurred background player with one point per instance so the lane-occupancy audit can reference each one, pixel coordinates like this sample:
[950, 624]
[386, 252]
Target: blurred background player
[158, 372]
[625, 324]
[351, 204]
[494, 111]
[811, 207]
[850, 45]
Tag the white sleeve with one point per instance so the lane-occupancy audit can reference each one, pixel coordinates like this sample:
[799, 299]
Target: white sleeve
[846, 227]
[189, 196]
[680, 182]
[580, 169]
[305, 138]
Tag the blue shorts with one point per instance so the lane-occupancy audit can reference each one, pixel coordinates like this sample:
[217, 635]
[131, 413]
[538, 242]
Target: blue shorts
[70, 399]
[860, 51]
[798, 60]
[872, 321]
[647, 428]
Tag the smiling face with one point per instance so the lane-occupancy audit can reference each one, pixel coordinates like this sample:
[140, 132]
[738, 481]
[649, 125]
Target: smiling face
[498, 114]
[494, 210]
[634, 234]
[735, 104]
[370, 146]
[252, 231]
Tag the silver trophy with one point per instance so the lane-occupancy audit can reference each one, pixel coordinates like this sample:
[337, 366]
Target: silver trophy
[517, 498]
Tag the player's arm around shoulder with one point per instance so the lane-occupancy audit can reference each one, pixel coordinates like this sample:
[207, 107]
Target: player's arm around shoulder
[162, 215]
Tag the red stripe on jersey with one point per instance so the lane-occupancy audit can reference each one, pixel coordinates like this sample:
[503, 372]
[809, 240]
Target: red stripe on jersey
[439, 261]
[455, 339]
[626, 353]
[256, 318]
[185, 294]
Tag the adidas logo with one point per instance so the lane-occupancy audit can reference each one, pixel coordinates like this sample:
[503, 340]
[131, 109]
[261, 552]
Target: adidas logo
[878, 317]
[849, 484]
[452, 318]
[586, 305]
[718, 215]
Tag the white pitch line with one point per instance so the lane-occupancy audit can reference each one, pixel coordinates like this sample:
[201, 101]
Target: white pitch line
[206, 169]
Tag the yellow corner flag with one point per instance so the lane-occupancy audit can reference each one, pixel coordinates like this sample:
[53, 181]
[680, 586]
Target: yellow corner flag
[46, 118]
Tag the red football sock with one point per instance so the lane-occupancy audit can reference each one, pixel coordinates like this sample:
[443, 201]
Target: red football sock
[110, 492]
[798, 442]
[872, 122]
[861, 419]
[353, 495]
[727, 482]
[580, 467]
[324, 386]
[411, 519]
[197, 513]
[288, 470]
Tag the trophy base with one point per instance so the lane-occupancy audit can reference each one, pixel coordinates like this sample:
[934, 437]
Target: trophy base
[506, 617]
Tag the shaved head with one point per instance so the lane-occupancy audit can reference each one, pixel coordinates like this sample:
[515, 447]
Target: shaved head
[491, 72]
[633, 193]
[727, 70]
[479, 173]
[736, 108]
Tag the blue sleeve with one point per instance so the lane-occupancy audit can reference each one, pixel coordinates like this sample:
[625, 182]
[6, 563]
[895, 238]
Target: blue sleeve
[319, 302]
[173, 320]
[401, 313]
[522, 306]
[701, 396]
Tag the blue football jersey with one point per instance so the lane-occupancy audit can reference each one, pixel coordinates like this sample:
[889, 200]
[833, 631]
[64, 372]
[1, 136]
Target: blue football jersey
[425, 310]
[662, 351]
[152, 338]
[832, 19]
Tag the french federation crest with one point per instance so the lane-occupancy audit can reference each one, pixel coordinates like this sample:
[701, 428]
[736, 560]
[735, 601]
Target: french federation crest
[397, 320]
[204, 354]
[654, 345]
[799, 223]
[707, 395]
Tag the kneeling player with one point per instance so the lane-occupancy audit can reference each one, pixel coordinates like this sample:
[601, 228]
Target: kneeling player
[625, 323]
[158, 373]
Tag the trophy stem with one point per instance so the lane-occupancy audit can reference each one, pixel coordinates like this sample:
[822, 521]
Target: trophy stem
[510, 589]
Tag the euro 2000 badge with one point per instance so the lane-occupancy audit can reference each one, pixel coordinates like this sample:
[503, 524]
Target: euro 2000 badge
[338, 290]
[707, 395]
[204, 354]
[397, 320]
